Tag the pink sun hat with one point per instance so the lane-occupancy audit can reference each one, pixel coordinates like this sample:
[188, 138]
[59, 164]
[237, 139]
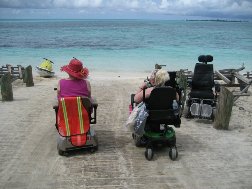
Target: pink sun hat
[75, 69]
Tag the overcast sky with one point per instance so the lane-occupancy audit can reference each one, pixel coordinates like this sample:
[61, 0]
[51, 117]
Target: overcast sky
[127, 9]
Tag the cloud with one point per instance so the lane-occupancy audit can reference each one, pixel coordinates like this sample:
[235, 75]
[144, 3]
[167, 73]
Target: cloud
[38, 4]
[208, 7]
[211, 8]
[76, 3]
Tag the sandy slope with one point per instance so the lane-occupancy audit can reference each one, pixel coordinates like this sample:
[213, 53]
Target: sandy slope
[208, 158]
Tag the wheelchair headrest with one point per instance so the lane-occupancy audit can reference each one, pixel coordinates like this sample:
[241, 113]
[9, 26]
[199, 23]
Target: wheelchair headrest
[205, 58]
[161, 98]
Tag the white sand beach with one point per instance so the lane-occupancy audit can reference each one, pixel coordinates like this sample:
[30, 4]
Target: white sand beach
[208, 158]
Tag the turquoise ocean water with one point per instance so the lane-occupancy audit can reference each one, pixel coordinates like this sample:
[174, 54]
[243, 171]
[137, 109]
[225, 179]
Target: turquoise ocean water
[126, 45]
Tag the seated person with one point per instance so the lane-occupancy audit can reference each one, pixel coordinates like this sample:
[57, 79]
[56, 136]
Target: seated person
[160, 78]
[149, 82]
[76, 84]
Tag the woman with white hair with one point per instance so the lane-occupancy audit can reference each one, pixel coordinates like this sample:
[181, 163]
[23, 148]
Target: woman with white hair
[161, 77]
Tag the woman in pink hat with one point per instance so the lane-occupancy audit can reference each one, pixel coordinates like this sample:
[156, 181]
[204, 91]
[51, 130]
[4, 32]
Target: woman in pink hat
[76, 84]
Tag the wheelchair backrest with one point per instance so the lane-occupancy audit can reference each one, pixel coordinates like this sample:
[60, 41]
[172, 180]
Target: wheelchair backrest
[73, 116]
[160, 107]
[203, 77]
[161, 98]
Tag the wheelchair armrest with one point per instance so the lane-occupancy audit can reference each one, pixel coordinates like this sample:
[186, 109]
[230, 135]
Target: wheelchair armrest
[93, 119]
[56, 108]
[95, 105]
[94, 102]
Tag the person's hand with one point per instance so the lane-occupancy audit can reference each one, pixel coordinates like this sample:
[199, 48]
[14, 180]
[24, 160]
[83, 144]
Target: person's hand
[143, 86]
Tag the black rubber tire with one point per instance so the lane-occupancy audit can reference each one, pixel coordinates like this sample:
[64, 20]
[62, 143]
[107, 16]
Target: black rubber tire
[173, 153]
[133, 136]
[149, 154]
[138, 141]
[61, 152]
[187, 113]
[213, 114]
[92, 150]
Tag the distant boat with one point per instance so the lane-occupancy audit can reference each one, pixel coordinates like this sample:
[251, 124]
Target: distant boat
[45, 68]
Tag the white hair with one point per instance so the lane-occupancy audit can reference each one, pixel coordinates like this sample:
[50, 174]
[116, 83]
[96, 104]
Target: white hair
[161, 77]
[153, 74]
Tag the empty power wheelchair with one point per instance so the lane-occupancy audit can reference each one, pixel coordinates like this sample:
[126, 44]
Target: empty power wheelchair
[201, 101]
[73, 118]
[162, 114]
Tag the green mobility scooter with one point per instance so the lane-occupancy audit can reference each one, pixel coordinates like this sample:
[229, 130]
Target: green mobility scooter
[164, 111]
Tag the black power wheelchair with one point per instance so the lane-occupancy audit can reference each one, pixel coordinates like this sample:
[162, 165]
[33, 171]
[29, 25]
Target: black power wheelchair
[202, 99]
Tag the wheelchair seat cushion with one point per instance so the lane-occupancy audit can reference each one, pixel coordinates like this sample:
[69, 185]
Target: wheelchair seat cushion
[202, 94]
[73, 120]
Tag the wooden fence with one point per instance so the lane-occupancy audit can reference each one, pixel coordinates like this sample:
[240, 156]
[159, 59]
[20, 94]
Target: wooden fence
[15, 71]
[248, 75]
[229, 76]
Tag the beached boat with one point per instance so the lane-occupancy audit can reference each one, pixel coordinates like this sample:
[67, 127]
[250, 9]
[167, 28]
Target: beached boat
[45, 68]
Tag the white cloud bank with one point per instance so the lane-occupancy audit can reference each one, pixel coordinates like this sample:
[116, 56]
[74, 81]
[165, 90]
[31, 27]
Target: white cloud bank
[207, 8]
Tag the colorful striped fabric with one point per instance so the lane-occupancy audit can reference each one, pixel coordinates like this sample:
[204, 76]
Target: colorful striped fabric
[73, 120]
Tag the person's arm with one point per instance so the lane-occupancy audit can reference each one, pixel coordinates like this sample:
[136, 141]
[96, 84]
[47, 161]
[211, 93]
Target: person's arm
[143, 86]
[139, 96]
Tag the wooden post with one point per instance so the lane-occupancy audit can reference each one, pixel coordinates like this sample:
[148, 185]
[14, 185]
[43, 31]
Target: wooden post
[247, 74]
[20, 72]
[6, 87]
[224, 109]
[9, 68]
[28, 78]
[232, 78]
[182, 82]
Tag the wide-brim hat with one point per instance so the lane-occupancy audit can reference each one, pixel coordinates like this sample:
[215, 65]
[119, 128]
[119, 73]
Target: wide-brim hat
[75, 69]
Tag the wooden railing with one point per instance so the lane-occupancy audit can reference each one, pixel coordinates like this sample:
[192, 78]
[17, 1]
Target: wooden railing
[15, 71]
[248, 75]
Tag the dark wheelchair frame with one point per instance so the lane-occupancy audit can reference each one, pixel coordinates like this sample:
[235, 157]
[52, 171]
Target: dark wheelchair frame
[202, 99]
[161, 113]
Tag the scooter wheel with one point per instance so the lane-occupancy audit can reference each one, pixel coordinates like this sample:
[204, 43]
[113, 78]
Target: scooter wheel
[173, 153]
[213, 114]
[61, 152]
[94, 149]
[187, 113]
[138, 141]
[149, 154]
[133, 136]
